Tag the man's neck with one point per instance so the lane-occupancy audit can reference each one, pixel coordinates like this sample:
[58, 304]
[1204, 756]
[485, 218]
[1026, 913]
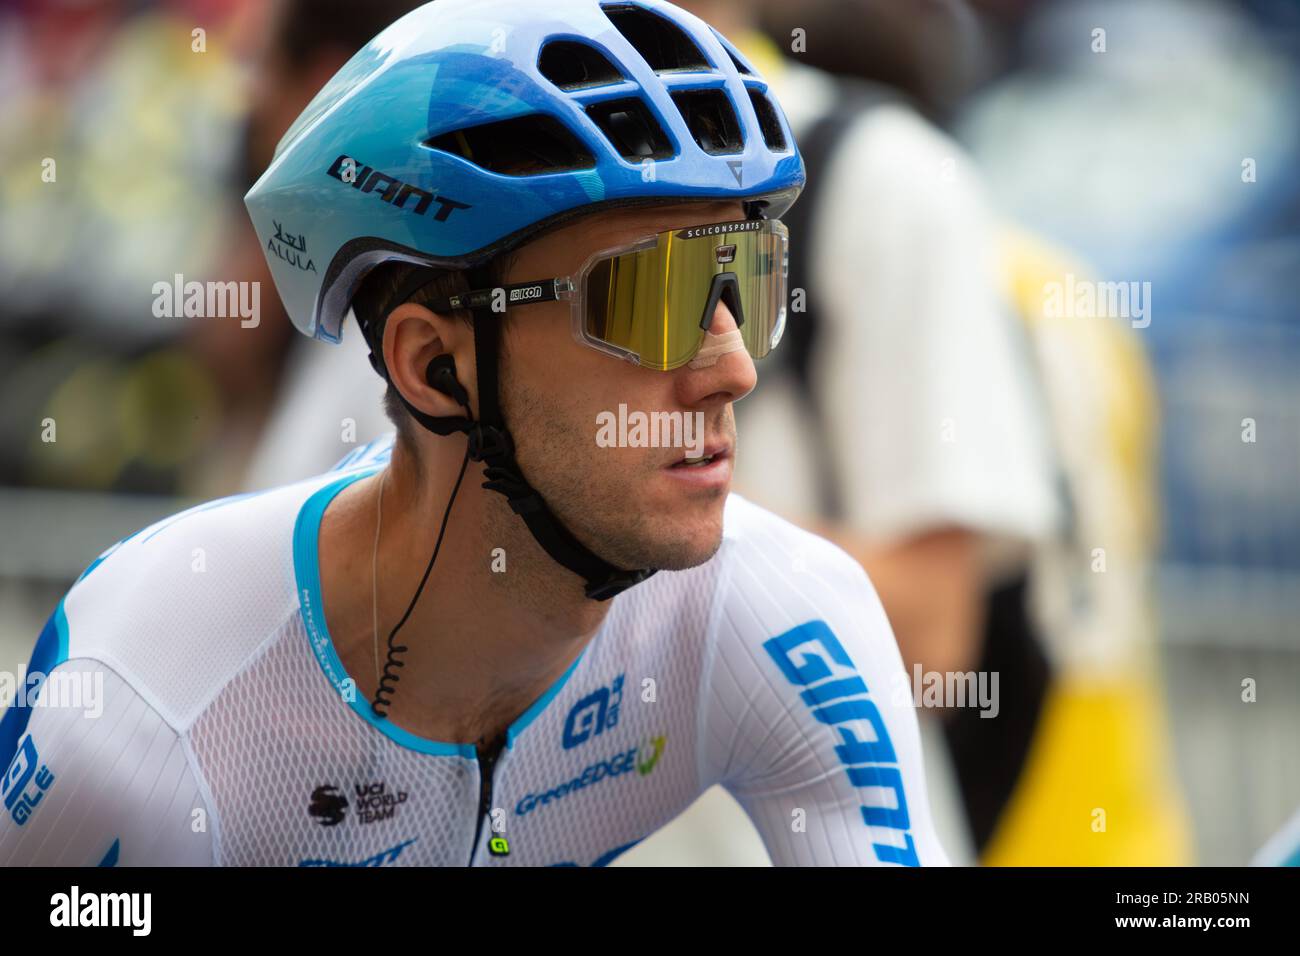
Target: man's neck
[498, 622]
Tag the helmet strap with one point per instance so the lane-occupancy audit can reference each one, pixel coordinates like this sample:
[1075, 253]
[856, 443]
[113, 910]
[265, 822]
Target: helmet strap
[490, 442]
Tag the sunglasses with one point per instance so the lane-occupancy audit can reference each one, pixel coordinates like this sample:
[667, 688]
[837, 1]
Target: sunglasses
[651, 301]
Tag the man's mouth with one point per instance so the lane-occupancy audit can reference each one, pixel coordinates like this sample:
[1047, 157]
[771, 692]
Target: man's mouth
[710, 455]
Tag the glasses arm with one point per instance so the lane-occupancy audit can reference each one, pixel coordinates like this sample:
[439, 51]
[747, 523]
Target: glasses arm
[503, 297]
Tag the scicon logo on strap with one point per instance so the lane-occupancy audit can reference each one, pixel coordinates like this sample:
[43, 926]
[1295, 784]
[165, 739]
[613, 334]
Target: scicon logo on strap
[523, 295]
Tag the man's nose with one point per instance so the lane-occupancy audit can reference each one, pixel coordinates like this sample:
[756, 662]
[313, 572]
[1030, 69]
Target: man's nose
[729, 376]
[723, 319]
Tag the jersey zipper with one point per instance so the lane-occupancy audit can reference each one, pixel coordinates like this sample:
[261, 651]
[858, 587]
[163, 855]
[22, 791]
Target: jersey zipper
[486, 764]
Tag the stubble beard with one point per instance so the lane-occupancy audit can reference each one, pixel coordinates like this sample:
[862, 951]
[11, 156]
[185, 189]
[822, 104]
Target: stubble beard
[598, 503]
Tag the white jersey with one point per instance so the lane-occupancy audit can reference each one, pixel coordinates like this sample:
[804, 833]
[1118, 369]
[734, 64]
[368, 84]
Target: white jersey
[194, 712]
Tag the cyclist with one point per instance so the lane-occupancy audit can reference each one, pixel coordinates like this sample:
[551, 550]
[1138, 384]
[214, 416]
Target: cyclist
[540, 216]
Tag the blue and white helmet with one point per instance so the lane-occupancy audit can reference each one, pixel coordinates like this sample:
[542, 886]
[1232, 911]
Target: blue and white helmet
[469, 125]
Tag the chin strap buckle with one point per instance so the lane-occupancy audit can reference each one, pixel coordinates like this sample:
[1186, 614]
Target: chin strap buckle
[616, 584]
[488, 441]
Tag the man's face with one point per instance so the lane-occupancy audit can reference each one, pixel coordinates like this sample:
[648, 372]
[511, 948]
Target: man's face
[634, 506]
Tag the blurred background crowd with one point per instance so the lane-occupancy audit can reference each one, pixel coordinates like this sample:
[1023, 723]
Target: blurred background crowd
[981, 152]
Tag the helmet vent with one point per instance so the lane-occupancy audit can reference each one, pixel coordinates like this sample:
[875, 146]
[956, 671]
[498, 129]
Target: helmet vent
[661, 43]
[737, 60]
[767, 121]
[576, 66]
[630, 128]
[711, 120]
[523, 146]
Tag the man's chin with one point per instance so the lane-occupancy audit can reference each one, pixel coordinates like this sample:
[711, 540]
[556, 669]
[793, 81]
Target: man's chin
[676, 545]
[665, 533]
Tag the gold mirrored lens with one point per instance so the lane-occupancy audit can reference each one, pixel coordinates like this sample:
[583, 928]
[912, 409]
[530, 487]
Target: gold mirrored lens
[650, 303]
[760, 272]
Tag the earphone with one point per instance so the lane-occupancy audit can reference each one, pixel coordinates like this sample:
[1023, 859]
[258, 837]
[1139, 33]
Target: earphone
[441, 375]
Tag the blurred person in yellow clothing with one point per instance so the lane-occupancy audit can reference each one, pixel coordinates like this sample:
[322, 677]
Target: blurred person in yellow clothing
[1101, 751]
[983, 550]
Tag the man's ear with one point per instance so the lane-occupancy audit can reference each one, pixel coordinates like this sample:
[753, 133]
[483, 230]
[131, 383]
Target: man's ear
[415, 337]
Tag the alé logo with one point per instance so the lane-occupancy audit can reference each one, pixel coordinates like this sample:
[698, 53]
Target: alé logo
[25, 782]
[594, 714]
